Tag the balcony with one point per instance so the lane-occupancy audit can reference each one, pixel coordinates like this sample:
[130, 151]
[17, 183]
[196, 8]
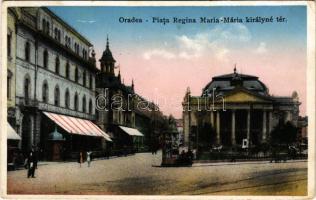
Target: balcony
[27, 104]
[64, 111]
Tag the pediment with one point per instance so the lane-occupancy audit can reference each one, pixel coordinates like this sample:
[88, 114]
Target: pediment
[242, 96]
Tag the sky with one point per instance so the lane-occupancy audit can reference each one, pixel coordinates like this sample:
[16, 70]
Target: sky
[165, 59]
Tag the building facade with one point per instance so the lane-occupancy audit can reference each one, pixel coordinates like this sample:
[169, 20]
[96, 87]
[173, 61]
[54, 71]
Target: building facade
[11, 60]
[235, 110]
[55, 72]
[120, 108]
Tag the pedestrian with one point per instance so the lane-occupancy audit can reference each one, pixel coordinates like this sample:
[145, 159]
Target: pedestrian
[31, 160]
[80, 159]
[89, 157]
[36, 156]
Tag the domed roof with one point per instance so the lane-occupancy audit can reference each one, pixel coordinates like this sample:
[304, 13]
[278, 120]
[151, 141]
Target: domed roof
[107, 54]
[228, 82]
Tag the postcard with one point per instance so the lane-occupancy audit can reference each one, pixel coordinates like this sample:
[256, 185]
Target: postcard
[157, 100]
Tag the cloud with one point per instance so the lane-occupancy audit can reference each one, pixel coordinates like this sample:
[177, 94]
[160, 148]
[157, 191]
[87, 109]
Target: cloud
[262, 48]
[216, 42]
[158, 53]
[86, 21]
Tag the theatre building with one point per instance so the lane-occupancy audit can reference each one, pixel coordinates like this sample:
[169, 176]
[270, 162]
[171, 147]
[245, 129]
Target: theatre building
[236, 110]
[55, 86]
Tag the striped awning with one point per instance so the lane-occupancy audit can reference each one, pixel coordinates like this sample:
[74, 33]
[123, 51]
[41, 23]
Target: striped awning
[77, 126]
[131, 131]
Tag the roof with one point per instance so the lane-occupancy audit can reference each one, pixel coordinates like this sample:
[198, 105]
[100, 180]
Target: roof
[74, 31]
[107, 54]
[228, 82]
[227, 76]
[34, 10]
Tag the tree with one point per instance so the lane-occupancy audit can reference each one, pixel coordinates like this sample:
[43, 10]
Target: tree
[284, 134]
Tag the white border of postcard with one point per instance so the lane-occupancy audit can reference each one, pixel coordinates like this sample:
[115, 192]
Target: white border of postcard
[310, 91]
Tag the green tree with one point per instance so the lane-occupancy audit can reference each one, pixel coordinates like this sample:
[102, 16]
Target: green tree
[284, 134]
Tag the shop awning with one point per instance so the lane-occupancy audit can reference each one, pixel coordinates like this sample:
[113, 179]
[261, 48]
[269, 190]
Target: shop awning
[12, 135]
[131, 131]
[77, 126]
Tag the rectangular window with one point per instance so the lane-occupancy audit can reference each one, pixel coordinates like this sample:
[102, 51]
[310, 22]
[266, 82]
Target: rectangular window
[9, 87]
[9, 38]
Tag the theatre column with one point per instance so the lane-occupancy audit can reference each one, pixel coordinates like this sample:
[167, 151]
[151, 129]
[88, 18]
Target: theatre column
[213, 125]
[248, 125]
[264, 126]
[218, 138]
[233, 128]
[212, 119]
[270, 122]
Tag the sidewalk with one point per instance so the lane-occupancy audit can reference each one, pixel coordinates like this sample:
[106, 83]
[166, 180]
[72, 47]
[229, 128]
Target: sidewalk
[210, 163]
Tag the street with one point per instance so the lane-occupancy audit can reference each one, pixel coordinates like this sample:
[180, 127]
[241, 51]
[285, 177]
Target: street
[140, 174]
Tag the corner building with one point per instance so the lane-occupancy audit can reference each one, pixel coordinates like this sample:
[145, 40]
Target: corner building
[55, 86]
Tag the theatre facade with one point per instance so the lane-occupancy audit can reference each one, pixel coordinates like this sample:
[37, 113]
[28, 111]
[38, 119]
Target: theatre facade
[235, 110]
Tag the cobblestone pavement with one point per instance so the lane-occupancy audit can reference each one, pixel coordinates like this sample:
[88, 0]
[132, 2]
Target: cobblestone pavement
[141, 174]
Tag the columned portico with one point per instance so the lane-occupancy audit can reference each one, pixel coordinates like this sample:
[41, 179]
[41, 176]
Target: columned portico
[270, 122]
[212, 118]
[242, 108]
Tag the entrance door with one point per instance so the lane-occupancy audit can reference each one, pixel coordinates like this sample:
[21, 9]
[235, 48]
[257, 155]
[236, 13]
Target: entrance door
[26, 134]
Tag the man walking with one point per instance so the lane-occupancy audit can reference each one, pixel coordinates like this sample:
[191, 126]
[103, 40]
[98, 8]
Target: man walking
[31, 164]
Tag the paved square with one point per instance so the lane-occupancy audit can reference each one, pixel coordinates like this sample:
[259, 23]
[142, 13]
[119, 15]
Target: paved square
[139, 174]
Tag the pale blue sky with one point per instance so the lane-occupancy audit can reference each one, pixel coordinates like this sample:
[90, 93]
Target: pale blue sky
[96, 22]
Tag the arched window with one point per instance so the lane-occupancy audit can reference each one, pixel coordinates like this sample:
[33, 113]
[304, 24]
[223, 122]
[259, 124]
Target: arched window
[67, 69]
[84, 53]
[84, 104]
[56, 96]
[84, 78]
[76, 48]
[44, 25]
[90, 81]
[45, 59]
[90, 107]
[27, 88]
[66, 41]
[27, 51]
[67, 98]
[9, 42]
[57, 63]
[57, 34]
[47, 27]
[76, 102]
[45, 92]
[76, 74]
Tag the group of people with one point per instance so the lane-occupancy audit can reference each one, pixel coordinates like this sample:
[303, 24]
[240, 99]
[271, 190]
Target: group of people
[81, 158]
[31, 161]
[185, 158]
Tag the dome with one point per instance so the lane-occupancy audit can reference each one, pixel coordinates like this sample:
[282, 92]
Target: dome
[228, 82]
[107, 54]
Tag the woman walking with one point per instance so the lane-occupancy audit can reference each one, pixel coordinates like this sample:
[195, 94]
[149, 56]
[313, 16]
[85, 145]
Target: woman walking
[89, 157]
